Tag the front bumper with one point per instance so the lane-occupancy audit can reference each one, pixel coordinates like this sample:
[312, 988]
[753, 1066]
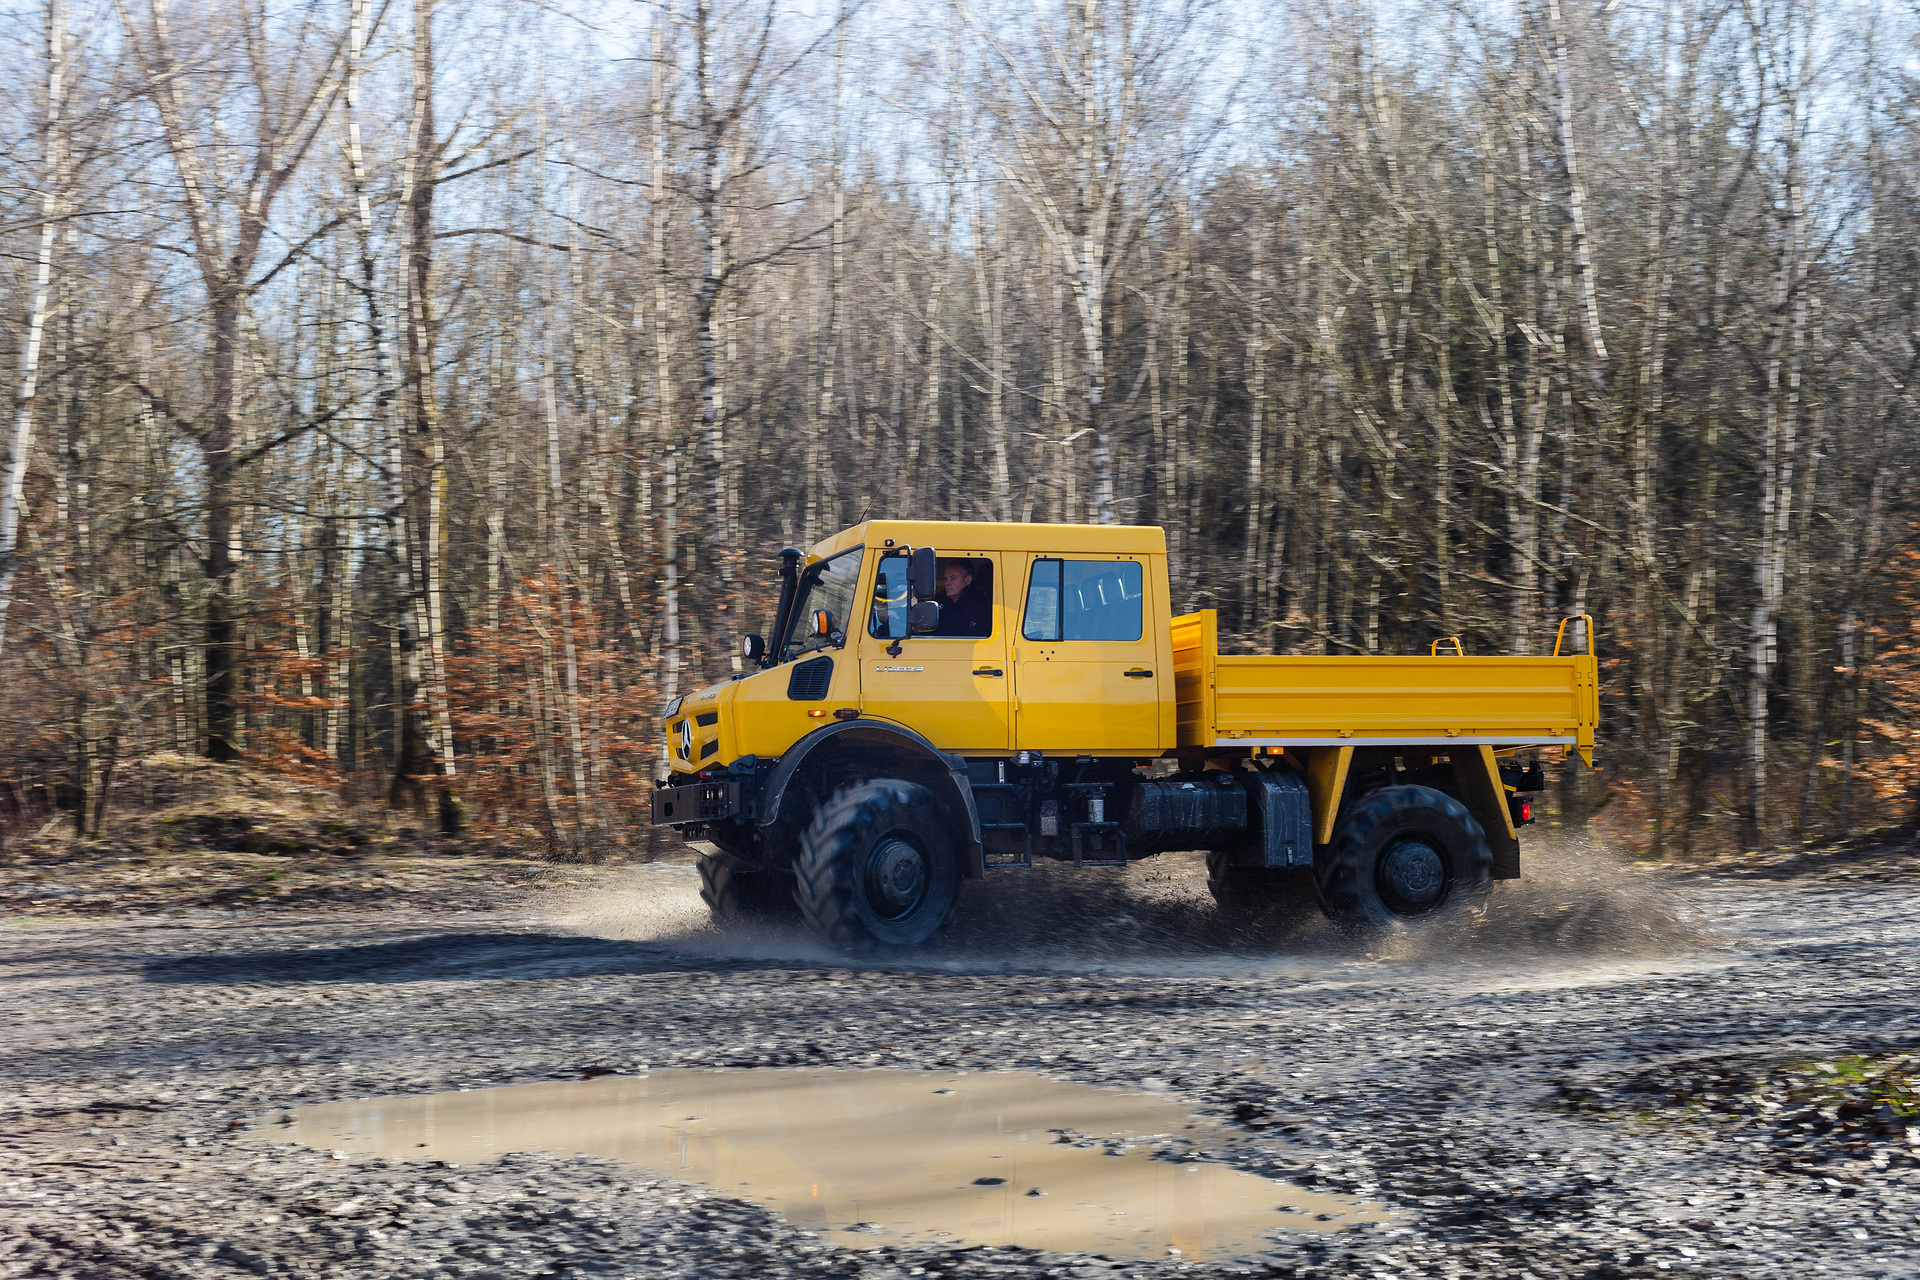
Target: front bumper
[696, 802]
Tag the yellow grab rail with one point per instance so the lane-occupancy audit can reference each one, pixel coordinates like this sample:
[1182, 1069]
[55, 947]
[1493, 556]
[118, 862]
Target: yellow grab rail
[1585, 634]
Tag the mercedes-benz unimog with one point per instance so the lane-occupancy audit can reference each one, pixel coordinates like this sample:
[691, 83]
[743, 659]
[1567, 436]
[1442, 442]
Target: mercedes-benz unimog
[943, 701]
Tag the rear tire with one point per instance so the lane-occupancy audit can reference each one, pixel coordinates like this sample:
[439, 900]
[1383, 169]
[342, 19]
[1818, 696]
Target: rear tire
[733, 895]
[1403, 853]
[877, 867]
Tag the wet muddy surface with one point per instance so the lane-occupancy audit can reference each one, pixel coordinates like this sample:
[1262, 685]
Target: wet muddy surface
[1608, 1075]
[864, 1157]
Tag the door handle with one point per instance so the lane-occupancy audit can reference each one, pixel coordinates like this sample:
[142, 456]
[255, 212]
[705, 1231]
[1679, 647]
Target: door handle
[1137, 673]
[988, 671]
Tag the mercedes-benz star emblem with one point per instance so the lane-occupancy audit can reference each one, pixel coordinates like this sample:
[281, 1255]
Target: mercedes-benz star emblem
[686, 739]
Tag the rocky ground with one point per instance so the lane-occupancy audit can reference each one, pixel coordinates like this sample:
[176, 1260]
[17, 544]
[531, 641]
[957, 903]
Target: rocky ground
[1615, 1073]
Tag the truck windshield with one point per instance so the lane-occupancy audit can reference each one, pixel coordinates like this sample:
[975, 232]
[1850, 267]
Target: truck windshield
[828, 585]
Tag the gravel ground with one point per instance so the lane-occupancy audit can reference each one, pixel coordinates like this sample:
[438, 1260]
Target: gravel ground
[1612, 1074]
[188, 835]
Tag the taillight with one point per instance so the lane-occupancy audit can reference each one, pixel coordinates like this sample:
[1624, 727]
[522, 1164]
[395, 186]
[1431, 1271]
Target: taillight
[1521, 807]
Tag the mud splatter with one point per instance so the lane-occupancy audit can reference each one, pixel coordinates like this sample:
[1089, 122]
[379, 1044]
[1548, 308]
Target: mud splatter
[1574, 900]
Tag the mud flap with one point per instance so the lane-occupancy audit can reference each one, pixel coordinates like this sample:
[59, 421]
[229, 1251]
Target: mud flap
[1477, 774]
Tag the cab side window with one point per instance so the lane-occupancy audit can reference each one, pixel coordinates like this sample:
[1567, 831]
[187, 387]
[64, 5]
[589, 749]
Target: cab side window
[965, 597]
[1085, 600]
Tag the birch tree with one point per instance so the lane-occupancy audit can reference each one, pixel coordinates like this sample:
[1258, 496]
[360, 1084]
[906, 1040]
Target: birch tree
[422, 470]
[50, 207]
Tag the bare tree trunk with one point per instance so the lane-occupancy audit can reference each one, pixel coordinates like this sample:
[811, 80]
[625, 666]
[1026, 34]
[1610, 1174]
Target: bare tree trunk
[990, 307]
[585, 812]
[1779, 426]
[1256, 456]
[1587, 297]
[926, 439]
[368, 286]
[711, 146]
[422, 458]
[666, 427]
[1090, 283]
[52, 194]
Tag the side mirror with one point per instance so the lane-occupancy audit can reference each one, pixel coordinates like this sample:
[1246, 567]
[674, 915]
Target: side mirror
[924, 618]
[823, 623]
[753, 648]
[924, 574]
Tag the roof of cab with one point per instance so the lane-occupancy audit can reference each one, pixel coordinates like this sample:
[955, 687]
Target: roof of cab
[960, 536]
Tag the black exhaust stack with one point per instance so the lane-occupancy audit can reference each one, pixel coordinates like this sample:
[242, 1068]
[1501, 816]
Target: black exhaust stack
[789, 583]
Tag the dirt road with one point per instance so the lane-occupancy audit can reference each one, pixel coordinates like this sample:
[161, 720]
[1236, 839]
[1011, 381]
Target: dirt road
[1609, 1075]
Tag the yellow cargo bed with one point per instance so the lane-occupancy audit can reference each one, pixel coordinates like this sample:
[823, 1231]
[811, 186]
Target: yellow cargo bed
[1366, 700]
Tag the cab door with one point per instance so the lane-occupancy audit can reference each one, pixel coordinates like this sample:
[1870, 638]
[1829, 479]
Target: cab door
[1087, 675]
[952, 690]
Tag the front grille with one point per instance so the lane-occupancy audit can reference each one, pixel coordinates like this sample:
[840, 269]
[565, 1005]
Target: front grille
[709, 748]
[809, 680]
[707, 718]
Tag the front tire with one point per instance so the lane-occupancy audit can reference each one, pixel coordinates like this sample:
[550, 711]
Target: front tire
[877, 867]
[733, 896]
[1403, 853]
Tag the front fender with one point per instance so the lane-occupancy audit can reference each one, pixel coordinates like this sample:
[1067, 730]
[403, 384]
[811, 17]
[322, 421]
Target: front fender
[898, 737]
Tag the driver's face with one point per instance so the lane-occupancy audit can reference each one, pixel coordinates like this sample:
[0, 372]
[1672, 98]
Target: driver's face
[956, 579]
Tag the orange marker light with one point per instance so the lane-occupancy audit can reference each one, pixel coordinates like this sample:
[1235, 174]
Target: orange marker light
[816, 715]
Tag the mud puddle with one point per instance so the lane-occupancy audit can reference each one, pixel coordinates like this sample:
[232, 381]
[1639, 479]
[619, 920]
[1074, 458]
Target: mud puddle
[869, 1157]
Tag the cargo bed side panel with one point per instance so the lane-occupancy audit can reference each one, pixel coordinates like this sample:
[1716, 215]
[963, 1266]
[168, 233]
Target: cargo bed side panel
[1355, 700]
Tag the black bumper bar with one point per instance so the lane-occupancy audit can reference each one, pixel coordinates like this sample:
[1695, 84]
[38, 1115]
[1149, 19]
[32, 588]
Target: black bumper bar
[696, 802]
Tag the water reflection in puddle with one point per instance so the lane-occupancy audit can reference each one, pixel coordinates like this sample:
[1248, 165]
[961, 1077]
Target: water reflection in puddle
[865, 1157]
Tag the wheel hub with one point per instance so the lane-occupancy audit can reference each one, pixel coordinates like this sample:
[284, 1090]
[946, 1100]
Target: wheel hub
[897, 875]
[1412, 876]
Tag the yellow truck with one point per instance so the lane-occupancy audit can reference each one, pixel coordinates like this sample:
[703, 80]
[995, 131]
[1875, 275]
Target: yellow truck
[942, 700]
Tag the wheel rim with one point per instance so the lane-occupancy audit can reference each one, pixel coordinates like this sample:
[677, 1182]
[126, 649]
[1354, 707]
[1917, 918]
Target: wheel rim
[1412, 876]
[896, 878]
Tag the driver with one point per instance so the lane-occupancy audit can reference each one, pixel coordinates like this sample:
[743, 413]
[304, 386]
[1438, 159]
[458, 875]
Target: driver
[964, 610]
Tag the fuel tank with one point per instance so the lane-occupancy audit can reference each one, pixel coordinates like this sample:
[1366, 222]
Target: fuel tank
[1192, 812]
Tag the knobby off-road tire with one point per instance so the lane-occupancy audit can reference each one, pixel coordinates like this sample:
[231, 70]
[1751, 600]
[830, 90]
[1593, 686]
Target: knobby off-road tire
[877, 867]
[734, 896]
[1248, 894]
[1403, 853]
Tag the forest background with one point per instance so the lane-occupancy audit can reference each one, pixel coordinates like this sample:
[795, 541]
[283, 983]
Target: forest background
[412, 395]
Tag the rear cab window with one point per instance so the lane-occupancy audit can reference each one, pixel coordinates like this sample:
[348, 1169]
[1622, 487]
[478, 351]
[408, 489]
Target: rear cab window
[1084, 600]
